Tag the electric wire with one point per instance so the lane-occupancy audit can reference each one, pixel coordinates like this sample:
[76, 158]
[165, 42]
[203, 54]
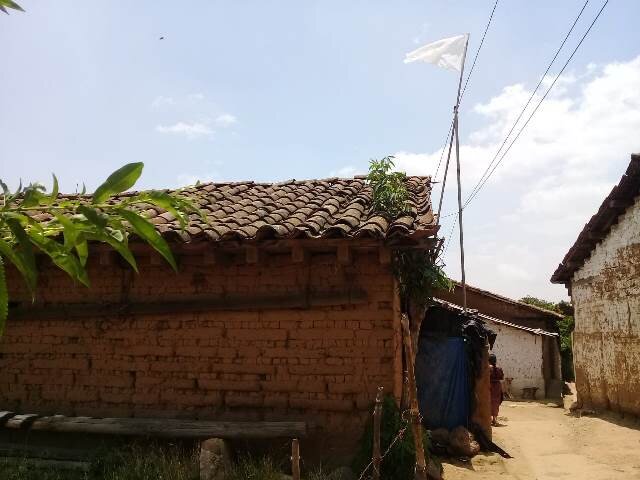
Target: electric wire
[475, 192]
[485, 176]
[473, 66]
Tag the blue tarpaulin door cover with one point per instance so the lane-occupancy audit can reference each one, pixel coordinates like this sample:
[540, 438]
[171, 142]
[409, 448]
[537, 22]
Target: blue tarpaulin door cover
[441, 378]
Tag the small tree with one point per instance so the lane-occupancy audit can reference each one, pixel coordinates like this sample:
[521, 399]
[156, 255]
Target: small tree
[33, 221]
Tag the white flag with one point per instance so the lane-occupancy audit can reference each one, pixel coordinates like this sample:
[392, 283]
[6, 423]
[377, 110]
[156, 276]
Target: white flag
[446, 53]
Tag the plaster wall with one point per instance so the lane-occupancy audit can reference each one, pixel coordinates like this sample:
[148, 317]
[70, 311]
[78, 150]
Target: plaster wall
[606, 297]
[519, 355]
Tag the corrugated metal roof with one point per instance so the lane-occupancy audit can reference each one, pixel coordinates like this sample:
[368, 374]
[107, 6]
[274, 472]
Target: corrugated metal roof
[458, 308]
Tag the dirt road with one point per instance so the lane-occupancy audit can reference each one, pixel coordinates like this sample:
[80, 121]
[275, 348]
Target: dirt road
[548, 443]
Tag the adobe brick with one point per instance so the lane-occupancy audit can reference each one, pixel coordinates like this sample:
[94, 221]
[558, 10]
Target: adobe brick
[116, 396]
[252, 334]
[321, 369]
[147, 350]
[328, 405]
[81, 394]
[101, 379]
[319, 333]
[228, 385]
[242, 368]
[237, 400]
[32, 379]
[146, 397]
[62, 363]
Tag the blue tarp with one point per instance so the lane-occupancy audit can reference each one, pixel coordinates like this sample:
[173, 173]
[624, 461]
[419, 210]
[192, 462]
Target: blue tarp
[442, 381]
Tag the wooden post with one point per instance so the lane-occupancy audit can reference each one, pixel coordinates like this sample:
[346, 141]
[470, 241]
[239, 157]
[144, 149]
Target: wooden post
[377, 420]
[295, 459]
[414, 412]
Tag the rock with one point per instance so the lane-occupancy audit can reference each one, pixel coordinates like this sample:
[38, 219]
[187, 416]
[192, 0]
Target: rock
[441, 436]
[342, 473]
[215, 460]
[434, 471]
[462, 442]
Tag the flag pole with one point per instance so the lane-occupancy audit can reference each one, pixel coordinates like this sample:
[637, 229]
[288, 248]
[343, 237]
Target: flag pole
[455, 131]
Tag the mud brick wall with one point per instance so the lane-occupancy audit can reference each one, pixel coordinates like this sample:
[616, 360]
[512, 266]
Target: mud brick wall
[321, 364]
[606, 297]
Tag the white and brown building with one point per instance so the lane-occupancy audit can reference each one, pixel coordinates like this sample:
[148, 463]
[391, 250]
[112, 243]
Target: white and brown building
[602, 272]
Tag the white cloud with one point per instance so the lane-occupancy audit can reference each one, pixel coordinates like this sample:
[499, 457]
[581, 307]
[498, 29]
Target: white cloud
[185, 179]
[195, 97]
[556, 175]
[161, 102]
[190, 130]
[225, 120]
[346, 172]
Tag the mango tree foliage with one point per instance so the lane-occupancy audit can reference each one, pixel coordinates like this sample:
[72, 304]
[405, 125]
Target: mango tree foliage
[62, 227]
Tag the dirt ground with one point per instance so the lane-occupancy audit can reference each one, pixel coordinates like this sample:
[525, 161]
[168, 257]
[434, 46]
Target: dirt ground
[549, 443]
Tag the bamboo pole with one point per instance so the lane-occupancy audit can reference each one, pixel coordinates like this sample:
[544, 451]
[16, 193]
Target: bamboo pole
[377, 420]
[414, 412]
[295, 459]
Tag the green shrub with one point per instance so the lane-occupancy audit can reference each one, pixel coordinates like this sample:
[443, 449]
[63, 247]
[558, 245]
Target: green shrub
[400, 461]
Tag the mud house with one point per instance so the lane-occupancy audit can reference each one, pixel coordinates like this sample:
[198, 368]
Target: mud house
[527, 345]
[602, 272]
[284, 308]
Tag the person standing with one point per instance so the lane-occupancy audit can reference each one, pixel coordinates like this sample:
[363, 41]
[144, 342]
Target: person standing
[496, 375]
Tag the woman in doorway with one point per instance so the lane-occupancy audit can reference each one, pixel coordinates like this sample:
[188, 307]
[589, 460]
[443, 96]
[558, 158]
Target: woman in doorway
[496, 376]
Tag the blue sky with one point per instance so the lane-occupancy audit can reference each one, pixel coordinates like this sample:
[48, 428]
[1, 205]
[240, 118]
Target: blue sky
[278, 90]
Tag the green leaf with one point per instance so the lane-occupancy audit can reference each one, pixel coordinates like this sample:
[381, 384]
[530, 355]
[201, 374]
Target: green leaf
[30, 276]
[27, 260]
[145, 230]
[64, 259]
[4, 298]
[94, 216]
[70, 231]
[33, 195]
[119, 181]
[82, 249]
[55, 190]
[166, 201]
[9, 4]
[118, 244]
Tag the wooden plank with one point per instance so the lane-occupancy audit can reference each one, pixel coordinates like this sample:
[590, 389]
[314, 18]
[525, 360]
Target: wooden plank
[344, 254]
[384, 255]
[298, 254]
[21, 421]
[295, 459]
[252, 254]
[195, 304]
[377, 420]
[414, 412]
[170, 428]
[5, 415]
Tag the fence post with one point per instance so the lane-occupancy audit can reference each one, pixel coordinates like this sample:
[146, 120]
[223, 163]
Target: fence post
[377, 420]
[414, 412]
[295, 459]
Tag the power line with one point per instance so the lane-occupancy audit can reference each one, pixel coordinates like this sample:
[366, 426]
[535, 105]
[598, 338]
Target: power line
[475, 59]
[484, 179]
[464, 89]
[495, 157]
[481, 184]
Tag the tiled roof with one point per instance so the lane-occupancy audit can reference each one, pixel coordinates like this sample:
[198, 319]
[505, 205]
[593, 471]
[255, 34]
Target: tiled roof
[621, 197]
[330, 208]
